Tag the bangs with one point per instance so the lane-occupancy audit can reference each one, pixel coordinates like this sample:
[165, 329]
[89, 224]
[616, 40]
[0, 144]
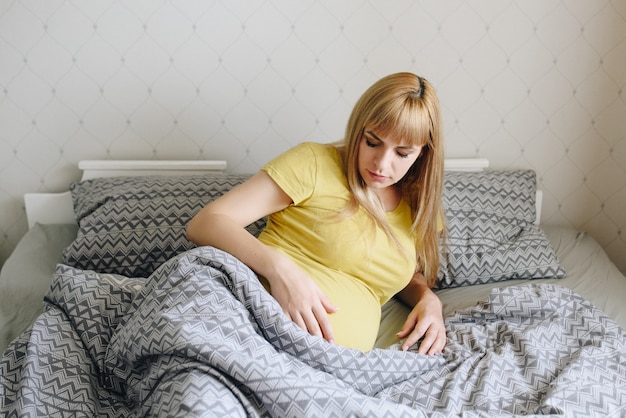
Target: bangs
[407, 121]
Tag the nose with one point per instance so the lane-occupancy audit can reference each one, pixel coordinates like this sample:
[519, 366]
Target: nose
[382, 159]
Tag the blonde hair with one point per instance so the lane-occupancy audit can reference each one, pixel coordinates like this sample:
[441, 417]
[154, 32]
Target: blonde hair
[405, 106]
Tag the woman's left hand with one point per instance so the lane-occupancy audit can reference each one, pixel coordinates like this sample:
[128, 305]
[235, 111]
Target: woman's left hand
[425, 320]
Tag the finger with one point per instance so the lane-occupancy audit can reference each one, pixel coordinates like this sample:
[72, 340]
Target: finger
[434, 349]
[312, 324]
[408, 326]
[323, 318]
[327, 304]
[299, 321]
[418, 332]
[427, 343]
[440, 344]
[433, 343]
[410, 341]
[325, 326]
[405, 331]
[430, 336]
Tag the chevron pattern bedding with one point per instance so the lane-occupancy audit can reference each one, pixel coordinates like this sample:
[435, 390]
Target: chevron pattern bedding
[131, 225]
[201, 338]
[491, 230]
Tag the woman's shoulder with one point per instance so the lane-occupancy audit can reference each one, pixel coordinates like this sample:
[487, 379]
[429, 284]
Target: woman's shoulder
[308, 169]
[329, 151]
[317, 154]
[317, 148]
[309, 162]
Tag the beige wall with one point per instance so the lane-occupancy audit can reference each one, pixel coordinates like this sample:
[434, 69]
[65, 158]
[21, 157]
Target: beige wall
[534, 83]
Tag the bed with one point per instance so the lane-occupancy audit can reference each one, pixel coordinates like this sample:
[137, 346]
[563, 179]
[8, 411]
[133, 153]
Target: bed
[106, 310]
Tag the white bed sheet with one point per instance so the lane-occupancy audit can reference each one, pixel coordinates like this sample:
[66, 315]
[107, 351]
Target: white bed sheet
[26, 276]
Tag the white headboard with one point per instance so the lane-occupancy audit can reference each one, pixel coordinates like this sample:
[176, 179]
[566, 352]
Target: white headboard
[466, 164]
[56, 208]
[105, 168]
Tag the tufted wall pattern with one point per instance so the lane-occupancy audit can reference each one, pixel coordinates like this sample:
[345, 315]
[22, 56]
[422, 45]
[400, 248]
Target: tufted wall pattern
[528, 84]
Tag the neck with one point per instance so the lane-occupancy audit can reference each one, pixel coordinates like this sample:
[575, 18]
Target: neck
[389, 197]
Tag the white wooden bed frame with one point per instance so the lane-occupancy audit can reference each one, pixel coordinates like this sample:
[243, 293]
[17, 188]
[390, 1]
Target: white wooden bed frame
[56, 208]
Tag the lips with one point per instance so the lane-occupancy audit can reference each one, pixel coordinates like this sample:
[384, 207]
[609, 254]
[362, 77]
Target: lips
[376, 177]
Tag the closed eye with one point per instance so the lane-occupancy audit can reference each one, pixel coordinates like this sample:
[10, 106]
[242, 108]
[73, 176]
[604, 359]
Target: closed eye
[371, 143]
[402, 154]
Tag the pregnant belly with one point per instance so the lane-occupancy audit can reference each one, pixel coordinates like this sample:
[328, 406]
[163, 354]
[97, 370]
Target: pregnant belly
[356, 323]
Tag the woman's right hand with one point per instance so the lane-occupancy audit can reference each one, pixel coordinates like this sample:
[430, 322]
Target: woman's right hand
[302, 300]
[221, 224]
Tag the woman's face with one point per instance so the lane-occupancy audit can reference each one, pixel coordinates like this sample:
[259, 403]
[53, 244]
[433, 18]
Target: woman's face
[383, 160]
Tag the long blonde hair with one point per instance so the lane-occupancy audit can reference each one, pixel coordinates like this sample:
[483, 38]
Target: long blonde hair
[405, 106]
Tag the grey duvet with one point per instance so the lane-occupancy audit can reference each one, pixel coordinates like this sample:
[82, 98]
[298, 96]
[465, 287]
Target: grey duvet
[201, 337]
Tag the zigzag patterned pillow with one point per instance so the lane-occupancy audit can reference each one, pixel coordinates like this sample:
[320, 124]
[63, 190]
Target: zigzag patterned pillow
[492, 236]
[131, 225]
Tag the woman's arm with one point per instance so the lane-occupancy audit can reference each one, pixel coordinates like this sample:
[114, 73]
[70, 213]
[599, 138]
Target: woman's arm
[425, 319]
[222, 224]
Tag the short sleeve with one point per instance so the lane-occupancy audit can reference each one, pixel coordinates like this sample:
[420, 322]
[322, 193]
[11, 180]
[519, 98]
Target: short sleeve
[295, 172]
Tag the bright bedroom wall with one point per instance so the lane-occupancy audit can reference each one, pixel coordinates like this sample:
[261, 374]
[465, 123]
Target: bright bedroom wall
[536, 84]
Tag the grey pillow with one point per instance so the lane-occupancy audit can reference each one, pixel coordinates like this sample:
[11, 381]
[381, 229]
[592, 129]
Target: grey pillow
[492, 236]
[131, 225]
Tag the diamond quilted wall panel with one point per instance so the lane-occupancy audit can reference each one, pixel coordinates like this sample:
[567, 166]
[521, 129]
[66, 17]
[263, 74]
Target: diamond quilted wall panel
[532, 84]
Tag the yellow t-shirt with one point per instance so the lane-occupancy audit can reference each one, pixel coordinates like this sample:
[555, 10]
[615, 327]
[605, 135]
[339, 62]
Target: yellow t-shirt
[358, 273]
